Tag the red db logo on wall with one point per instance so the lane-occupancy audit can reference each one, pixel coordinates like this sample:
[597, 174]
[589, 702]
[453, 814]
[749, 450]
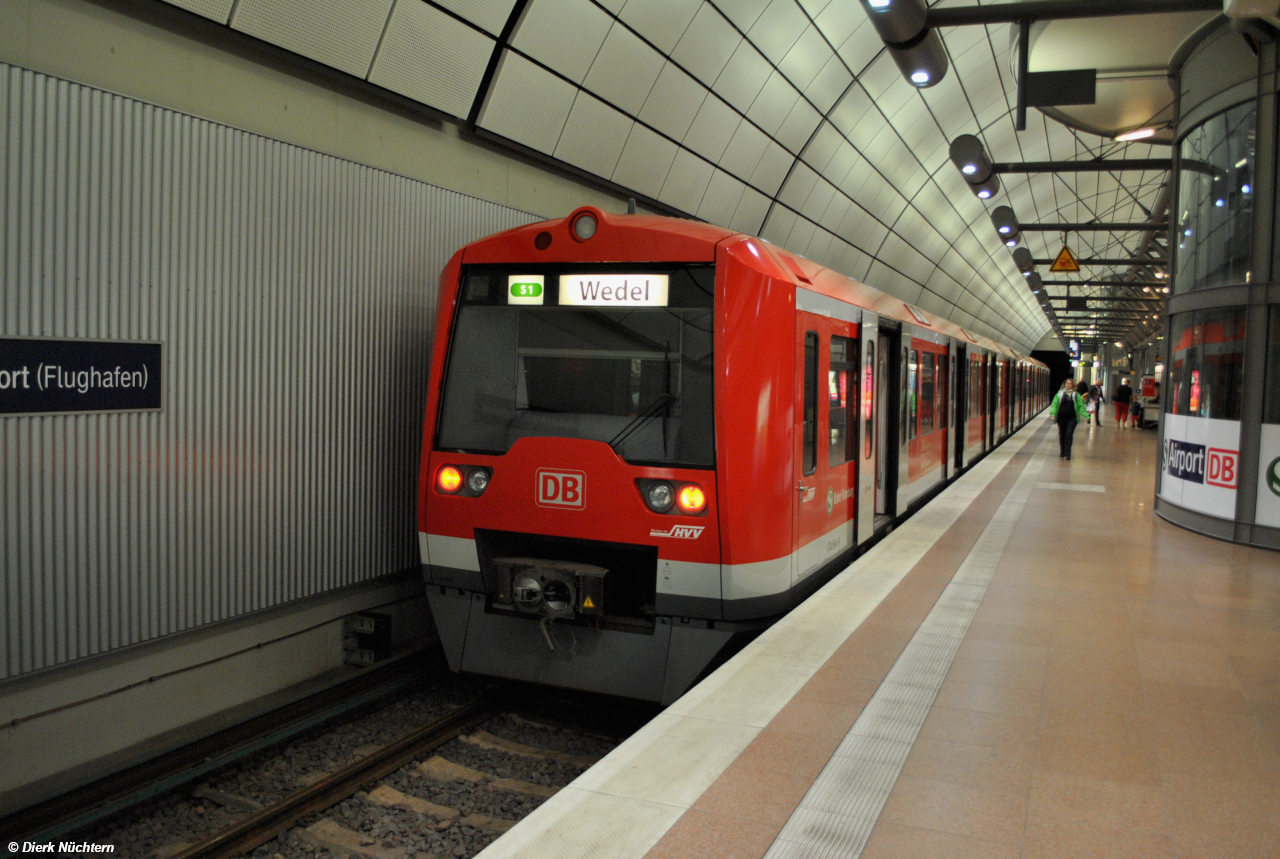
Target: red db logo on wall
[561, 488]
[1222, 467]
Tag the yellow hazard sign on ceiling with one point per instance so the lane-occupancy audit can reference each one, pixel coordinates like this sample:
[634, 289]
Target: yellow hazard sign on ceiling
[587, 603]
[1066, 261]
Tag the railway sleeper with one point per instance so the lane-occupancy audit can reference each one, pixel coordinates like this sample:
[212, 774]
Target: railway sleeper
[486, 740]
[389, 797]
[521, 721]
[439, 769]
[230, 801]
[338, 839]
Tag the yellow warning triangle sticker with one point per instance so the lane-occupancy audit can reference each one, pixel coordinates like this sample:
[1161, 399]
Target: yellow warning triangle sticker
[1066, 261]
[587, 603]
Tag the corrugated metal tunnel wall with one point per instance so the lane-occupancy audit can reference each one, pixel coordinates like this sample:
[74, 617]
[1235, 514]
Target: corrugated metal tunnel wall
[294, 295]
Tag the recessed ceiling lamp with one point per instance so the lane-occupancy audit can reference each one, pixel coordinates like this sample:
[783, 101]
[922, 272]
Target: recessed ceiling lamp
[1137, 134]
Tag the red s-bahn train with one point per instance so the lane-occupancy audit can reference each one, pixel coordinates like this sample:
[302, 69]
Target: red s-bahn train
[646, 439]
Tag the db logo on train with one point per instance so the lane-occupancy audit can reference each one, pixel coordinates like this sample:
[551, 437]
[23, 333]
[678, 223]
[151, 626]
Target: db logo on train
[561, 488]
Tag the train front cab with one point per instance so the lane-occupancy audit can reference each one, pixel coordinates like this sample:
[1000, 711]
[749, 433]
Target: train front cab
[551, 423]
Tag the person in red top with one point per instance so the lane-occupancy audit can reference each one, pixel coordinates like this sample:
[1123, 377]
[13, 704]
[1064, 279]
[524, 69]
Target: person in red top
[1122, 397]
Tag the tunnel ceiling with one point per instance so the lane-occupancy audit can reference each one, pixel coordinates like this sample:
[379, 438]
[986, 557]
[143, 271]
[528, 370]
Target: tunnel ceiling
[782, 118]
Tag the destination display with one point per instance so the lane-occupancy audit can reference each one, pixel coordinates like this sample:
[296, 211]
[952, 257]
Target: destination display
[614, 290]
[526, 288]
[51, 376]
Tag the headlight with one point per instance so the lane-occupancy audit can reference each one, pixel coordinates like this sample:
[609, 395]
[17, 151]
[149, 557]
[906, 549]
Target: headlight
[478, 480]
[584, 226]
[448, 479]
[660, 496]
[692, 499]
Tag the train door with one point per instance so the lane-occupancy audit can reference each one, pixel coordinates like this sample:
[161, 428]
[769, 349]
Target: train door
[960, 399]
[1007, 367]
[826, 452]
[1016, 369]
[927, 428]
[947, 407]
[990, 400]
[906, 415]
[886, 467]
[868, 417]
[1002, 396]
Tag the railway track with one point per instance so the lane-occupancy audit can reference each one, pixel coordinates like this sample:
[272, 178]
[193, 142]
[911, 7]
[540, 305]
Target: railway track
[268, 823]
[438, 773]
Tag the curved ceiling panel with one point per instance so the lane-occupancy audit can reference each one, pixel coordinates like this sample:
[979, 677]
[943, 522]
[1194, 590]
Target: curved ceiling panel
[785, 118]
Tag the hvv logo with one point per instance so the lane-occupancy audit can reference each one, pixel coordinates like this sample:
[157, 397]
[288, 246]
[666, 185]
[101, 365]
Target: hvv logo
[680, 532]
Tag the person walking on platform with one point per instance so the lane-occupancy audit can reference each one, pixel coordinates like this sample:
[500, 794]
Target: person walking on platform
[1094, 405]
[1067, 410]
[1122, 398]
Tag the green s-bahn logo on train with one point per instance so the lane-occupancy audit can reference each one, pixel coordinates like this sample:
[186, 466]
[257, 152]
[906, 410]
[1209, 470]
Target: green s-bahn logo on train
[1273, 476]
[526, 290]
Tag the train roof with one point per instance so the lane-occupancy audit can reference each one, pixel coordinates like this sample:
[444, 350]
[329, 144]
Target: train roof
[678, 240]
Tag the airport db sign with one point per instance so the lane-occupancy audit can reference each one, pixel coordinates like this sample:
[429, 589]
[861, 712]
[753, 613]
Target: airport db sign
[1201, 464]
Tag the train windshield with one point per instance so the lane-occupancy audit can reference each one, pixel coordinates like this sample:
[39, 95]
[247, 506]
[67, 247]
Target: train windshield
[622, 356]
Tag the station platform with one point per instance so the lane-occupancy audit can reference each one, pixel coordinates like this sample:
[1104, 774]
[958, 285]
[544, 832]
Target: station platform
[1033, 665]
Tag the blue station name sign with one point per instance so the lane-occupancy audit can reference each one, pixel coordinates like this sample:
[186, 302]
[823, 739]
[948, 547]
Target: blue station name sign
[50, 376]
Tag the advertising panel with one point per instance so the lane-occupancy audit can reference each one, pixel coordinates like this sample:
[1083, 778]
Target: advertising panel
[1200, 464]
[1269, 477]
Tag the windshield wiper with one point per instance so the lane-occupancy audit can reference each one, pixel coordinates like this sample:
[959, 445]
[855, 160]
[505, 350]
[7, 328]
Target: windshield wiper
[661, 404]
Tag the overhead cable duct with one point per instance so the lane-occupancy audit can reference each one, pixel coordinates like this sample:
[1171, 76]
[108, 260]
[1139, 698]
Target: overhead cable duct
[916, 49]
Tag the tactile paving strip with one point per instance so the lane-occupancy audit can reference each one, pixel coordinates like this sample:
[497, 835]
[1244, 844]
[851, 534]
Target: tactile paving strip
[836, 816]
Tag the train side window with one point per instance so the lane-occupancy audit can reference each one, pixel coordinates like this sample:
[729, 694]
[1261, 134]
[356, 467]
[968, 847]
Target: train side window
[913, 394]
[810, 430]
[841, 416]
[928, 391]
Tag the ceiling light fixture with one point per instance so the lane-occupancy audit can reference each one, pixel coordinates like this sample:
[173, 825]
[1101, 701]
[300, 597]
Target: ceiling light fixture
[970, 158]
[1006, 224]
[916, 49]
[1136, 134]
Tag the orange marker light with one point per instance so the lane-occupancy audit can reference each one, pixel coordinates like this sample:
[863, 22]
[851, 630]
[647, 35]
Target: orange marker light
[449, 479]
[692, 499]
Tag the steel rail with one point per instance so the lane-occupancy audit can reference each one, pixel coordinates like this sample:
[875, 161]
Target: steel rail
[85, 806]
[260, 827]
